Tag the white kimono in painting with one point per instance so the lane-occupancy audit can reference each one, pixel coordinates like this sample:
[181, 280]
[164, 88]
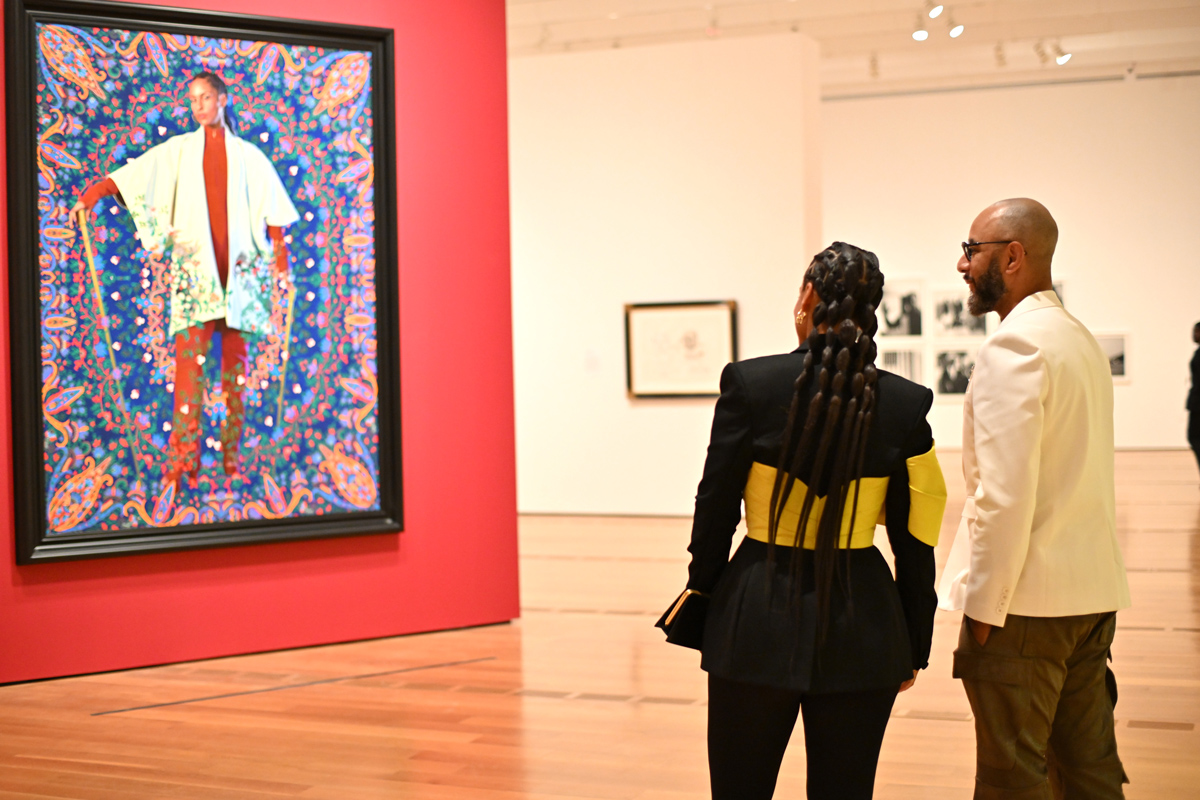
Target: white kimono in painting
[164, 192]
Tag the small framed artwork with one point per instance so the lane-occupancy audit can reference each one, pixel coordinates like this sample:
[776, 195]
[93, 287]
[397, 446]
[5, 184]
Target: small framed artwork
[907, 363]
[951, 317]
[679, 349]
[954, 364]
[189, 373]
[900, 310]
[1116, 348]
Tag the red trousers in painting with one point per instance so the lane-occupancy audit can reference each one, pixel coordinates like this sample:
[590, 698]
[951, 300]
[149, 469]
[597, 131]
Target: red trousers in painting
[191, 350]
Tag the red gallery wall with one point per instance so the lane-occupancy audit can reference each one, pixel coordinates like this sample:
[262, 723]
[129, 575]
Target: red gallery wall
[456, 563]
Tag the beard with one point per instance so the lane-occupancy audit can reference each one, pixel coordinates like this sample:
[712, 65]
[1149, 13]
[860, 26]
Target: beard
[988, 289]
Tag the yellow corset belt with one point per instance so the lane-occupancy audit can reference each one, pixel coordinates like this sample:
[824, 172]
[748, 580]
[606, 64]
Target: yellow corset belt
[927, 502]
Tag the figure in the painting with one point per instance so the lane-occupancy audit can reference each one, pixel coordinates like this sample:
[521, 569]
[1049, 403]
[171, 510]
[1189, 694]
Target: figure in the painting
[215, 205]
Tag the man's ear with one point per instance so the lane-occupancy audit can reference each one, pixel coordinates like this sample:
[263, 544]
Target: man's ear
[1016, 257]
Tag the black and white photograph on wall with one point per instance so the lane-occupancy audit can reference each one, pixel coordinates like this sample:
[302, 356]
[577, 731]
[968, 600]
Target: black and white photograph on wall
[900, 309]
[954, 366]
[951, 317]
[1058, 290]
[1115, 347]
[905, 363]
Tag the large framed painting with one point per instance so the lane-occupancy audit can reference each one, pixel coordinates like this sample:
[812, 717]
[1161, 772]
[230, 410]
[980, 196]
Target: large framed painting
[203, 279]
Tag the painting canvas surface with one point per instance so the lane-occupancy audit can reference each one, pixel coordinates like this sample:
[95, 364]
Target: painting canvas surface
[308, 443]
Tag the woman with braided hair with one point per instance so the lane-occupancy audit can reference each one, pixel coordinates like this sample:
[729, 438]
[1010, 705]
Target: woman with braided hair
[806, 618]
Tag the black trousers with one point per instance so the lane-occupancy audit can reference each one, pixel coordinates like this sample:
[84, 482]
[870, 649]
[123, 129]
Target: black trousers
[1194, 432]
[749, 727]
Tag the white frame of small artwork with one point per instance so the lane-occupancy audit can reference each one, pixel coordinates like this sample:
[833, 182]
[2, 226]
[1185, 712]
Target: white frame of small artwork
[1124, 337]
[656, 368]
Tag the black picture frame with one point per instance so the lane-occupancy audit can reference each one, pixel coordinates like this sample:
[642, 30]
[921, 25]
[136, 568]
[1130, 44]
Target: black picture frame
[33, 542]
[677, 350]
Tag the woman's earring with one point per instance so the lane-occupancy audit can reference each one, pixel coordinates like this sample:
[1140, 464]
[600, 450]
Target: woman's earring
[800, 315]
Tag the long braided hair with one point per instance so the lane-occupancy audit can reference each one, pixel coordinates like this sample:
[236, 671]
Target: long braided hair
[832, 436]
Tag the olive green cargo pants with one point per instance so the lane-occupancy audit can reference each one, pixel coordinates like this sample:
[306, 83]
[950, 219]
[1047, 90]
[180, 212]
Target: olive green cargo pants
[1037, 684]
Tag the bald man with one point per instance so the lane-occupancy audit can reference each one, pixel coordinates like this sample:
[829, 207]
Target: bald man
[1043, 576]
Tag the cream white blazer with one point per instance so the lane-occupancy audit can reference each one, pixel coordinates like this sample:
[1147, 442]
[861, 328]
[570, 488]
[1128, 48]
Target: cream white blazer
[165, 193]
[1038, 535]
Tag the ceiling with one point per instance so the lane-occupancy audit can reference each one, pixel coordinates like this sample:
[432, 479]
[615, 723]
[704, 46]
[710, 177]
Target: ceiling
[867, 46]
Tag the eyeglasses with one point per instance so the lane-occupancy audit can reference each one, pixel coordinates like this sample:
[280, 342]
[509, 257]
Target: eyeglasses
[967, 246]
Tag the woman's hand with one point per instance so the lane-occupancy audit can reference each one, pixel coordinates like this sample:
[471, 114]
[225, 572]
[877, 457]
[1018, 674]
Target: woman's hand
[904, 687]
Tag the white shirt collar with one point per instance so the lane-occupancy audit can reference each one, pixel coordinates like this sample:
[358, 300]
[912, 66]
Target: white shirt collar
[1046, 299]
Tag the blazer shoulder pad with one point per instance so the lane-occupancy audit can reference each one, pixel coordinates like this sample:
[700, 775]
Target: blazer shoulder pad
[901, 398]
[770, 368]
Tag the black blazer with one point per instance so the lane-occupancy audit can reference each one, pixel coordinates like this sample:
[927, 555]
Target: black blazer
[879, 629]
[1193, 401]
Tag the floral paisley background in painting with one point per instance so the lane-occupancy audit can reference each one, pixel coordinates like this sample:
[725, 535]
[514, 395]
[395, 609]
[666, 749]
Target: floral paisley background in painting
[310, 442]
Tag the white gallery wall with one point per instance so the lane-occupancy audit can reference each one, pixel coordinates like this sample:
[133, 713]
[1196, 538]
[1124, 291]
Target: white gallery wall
[1118, 165]
[685, 172]
[671, 173]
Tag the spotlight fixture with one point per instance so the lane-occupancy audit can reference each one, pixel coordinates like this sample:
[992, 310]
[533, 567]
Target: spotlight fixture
[714, 25]
[934, 10]
[873, 65]
[920, 33]
[1040, 49]
[1001, 60]
[956, 30]
[1060, 57]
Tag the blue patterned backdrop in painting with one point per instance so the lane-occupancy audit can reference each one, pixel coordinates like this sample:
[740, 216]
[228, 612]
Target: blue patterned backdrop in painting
[310, 441]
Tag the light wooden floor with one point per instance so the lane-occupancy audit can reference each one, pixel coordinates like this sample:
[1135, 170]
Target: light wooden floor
[580, 698]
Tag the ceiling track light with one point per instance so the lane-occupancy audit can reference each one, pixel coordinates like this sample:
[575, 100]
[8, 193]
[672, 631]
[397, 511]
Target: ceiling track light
[934, 10]
[873, 65]
[714, 25]
[1001, 59]
[920, 32]
[1060, 57]
[956, 30]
